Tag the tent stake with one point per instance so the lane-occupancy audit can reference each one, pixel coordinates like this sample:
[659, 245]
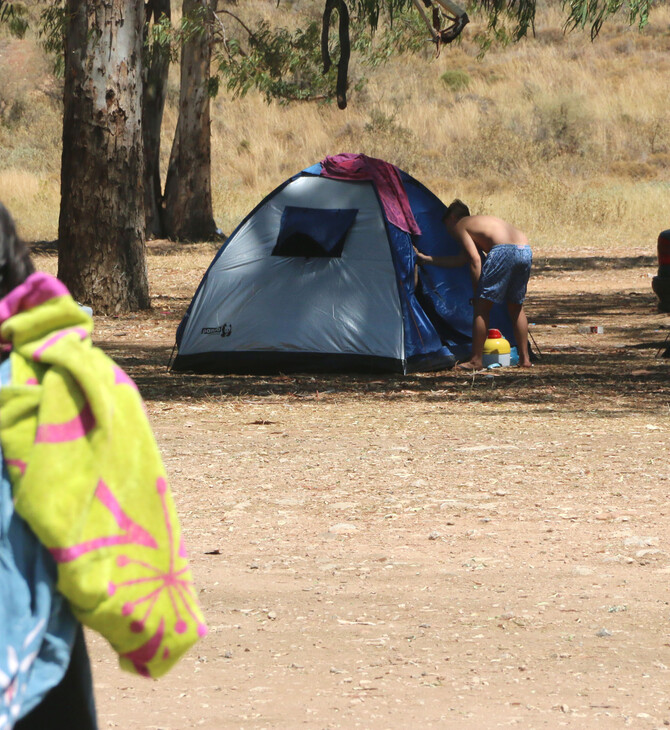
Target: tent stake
[530, 334]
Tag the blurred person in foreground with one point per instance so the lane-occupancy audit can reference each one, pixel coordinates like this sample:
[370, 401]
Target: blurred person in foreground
[501, 278]
[45, 675]
[89, 533]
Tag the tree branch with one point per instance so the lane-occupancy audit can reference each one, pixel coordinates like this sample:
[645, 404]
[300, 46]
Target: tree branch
[345, 47]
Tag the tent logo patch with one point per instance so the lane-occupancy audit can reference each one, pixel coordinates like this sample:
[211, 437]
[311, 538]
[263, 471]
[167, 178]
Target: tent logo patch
[224, 330]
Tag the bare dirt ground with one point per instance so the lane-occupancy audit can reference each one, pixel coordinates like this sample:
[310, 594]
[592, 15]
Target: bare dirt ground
[439, 550]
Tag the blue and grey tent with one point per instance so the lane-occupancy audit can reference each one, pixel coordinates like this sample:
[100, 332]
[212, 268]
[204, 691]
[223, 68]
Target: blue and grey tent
[317, 279]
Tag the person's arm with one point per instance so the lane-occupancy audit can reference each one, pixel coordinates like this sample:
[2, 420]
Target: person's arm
[446, 262]
[470, 254]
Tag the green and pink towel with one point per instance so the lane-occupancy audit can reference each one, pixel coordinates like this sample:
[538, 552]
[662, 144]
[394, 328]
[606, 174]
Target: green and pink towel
[88, 478]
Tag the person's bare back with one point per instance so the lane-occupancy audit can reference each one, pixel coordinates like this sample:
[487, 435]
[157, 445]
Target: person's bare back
[487, 231]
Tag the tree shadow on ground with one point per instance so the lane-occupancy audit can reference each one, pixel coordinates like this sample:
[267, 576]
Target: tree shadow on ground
[616, 380]
[562, 265]
[621, 309]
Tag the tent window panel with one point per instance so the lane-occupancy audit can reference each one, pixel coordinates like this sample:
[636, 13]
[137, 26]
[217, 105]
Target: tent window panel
[312, 232]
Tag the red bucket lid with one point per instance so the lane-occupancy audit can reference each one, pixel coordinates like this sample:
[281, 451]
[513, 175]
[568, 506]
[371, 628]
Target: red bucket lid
[495, 334]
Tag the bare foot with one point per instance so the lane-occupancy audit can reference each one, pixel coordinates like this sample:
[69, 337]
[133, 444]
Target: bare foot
[470, 366]
[528, 364]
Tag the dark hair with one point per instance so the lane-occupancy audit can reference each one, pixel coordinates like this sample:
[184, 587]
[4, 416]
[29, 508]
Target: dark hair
[15, 263]
[457, 208]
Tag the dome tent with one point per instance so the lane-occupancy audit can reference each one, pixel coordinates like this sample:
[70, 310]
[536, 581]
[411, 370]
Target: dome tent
[319, 277]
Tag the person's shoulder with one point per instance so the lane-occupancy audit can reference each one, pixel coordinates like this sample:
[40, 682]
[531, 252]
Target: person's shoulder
[479, 219]
[464, 225]
[473, 222]
[487, 218]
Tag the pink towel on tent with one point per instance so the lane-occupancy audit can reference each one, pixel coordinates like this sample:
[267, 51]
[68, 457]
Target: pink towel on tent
[386, 177]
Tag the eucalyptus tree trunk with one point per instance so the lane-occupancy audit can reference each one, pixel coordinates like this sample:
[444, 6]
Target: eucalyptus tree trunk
[187, 210]
[153, 104]
[101, 254]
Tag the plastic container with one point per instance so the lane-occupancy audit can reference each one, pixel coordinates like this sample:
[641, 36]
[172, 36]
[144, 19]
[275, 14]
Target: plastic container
[497, 350]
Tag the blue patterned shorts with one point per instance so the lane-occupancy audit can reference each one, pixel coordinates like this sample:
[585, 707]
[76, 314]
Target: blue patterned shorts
[505, 274]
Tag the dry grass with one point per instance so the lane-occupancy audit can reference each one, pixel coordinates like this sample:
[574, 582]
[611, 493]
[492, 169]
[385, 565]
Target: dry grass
[568, 138]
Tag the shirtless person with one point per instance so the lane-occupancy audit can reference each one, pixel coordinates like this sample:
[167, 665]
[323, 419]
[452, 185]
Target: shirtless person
[502, 277]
